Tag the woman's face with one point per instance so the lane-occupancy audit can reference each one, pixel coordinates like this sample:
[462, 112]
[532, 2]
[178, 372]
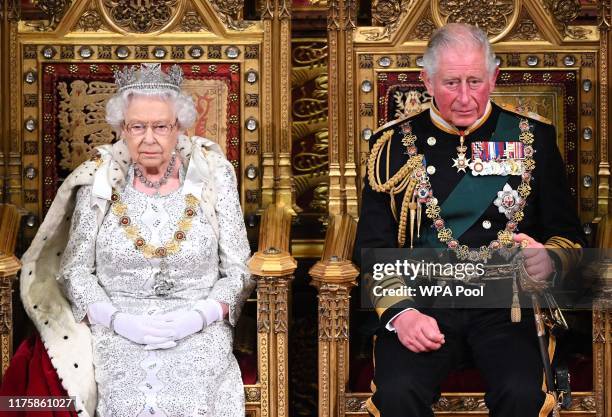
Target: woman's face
[151, 131]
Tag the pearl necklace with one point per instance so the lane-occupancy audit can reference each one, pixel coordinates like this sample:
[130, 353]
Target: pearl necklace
[156, 184]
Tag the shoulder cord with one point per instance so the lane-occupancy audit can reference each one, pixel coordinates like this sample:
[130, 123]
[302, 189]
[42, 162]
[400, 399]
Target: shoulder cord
[401, 181]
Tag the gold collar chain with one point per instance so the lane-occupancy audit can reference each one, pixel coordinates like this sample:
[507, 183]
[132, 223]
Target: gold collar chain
[132, 231]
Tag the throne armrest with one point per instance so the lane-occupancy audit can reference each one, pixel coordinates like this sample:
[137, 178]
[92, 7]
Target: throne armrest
[9, 265]
[334, 276]
[272, 267]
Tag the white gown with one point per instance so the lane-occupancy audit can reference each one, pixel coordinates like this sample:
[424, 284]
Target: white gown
[198, 377]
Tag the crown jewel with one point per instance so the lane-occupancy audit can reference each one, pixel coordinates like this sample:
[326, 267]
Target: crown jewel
[149, 77]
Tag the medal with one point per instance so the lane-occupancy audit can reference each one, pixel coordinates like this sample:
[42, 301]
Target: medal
[409, 139]
[461, 162]
[508, 201]
[477, 166]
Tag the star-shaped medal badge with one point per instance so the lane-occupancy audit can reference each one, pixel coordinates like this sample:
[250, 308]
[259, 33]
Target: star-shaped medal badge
[461, 162]
[508, 201]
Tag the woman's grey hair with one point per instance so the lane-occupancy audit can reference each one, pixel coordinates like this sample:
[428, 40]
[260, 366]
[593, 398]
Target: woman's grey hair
[183, 106]
[458, 36]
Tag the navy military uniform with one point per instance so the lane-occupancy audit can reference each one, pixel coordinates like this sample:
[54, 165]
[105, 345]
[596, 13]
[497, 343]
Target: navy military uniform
[477, 209]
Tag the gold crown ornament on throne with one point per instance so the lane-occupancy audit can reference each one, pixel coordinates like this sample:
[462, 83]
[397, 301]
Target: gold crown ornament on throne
[149, 77]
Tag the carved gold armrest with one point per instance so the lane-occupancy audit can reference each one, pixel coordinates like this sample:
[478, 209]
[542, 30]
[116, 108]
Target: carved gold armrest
[272, 267]
[9, 266]
[334, 276]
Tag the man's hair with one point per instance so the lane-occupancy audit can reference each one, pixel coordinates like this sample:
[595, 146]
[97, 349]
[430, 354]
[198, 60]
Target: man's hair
[459, 36]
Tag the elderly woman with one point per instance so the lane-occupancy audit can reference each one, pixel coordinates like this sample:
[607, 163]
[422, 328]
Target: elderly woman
[148, 245]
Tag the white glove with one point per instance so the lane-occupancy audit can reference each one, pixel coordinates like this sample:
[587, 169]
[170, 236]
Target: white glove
[165, 345]
[185, 323]
[144, 330]
[101, 313]
[139, 329]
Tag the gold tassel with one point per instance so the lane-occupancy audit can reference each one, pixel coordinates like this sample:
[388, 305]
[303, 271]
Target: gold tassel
[515, 311]
[412, 206]
[419, 213]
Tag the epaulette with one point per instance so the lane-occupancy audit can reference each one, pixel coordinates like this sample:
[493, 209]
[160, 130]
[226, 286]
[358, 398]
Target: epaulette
[399, 120]
[524, 113]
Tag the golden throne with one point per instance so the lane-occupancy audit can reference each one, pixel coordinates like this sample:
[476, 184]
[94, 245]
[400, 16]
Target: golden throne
[552, 64]
[57, 73]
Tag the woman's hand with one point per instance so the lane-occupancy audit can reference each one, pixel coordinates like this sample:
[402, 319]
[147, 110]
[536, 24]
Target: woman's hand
[187, 322]
[183, 323]
[144, 330]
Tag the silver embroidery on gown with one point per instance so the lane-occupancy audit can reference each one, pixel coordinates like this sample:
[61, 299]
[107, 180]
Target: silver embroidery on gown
[200, 376]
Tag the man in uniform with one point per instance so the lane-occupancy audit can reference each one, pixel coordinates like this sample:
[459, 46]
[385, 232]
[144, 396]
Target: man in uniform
[474, 174]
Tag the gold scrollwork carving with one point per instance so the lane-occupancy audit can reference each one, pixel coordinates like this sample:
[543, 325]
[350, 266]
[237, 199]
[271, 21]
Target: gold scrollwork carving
[252, 394]
[264, 299]
[315, 159]
[314, 54]
[13, 10]
[333, 14]
[355, 405]
[54, 10]
[460, 404]
[495, 17]
[141, 16]
[525, 29]
[325, 321]
[386, 13]
[6, 318]
[582, 404]
[280, 312]
[333, 312]
[564, 12]
[605, 15]
[309, 126]
[424, 29]
[90, 21]
[230, 13]
[192, 22]
[599, 318]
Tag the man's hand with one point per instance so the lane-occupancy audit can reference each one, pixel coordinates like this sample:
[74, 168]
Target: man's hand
[418, 332]
[538, 264]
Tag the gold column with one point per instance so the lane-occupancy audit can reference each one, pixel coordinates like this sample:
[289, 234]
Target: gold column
[350, 166]
[336, 120]
[277, 182]
[342, 151]
[283, 86]
[267, 95]
[273, 269]
[603, 192]
[334, 276]
[9, 14]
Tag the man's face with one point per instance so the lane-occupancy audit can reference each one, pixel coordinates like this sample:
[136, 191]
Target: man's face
[461, 86]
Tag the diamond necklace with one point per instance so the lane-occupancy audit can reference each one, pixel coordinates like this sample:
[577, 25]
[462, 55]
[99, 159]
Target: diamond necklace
[156, 184]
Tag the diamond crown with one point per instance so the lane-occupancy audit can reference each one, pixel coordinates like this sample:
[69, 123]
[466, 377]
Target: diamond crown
[149, 77]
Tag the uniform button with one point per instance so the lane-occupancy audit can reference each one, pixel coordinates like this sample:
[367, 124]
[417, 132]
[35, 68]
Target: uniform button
[486, 224]
[431, 141]
[431, 170]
